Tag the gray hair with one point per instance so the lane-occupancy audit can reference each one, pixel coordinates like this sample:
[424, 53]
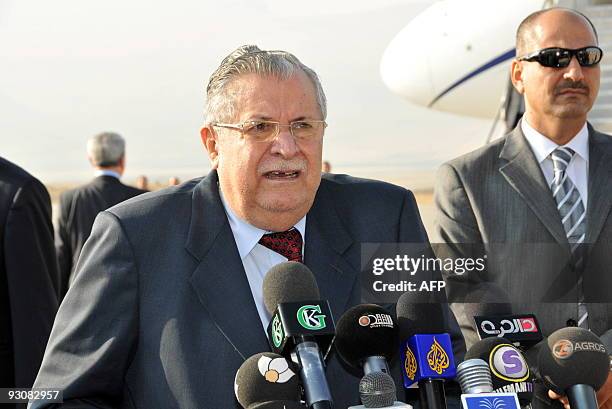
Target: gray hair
[249, 59]
[106, 149]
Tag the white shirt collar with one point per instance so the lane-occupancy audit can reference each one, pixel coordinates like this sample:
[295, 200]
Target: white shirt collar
[246, 235]
[105, 172]
[542, 146]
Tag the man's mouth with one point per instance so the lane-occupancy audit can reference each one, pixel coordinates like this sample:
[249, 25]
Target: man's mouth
[282, 175]
[580, 91]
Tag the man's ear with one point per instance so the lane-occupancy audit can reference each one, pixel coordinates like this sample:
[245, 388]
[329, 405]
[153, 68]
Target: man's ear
[516, 76]
[209, 139]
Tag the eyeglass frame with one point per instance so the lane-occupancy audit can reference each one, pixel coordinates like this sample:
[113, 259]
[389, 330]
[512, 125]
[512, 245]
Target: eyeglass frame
[240, 127]
[535, 56]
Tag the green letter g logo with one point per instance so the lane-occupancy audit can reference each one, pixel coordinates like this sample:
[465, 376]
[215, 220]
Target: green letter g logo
[310, 317]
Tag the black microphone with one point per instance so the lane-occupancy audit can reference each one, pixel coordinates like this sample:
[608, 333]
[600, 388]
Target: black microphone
[301, 323]
[427, 351]
[267, 379]
[510, 372]
[574, 362]
[366, 338]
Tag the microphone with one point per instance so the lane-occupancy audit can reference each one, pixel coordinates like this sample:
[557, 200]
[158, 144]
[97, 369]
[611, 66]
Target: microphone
[377, 390]
[508, 368]
[302, 324]
[366, 338]
[574, 362]
[426, 350]
[477, 386]
[267, 380]
[474, 376]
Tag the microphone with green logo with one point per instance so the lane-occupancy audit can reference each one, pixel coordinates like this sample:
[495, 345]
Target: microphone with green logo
[301, 324]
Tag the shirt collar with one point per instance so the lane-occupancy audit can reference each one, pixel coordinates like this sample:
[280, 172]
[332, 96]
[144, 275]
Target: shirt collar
[246, 235]
[542, 147]
[105, 172]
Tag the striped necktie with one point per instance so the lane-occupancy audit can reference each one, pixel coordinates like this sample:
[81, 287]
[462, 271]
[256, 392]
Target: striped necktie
[573, 217]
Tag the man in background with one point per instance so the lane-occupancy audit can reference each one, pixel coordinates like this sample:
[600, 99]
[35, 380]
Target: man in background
[79, 207]
[29, 281]
[142, 183]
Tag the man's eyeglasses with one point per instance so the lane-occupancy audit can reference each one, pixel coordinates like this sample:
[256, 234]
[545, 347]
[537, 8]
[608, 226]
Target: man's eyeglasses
[556, 57]
[266, 131]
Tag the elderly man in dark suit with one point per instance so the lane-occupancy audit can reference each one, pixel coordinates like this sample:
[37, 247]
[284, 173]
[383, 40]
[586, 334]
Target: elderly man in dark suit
[167, 300]
[79, 207]
[29, 281]
[538, 201]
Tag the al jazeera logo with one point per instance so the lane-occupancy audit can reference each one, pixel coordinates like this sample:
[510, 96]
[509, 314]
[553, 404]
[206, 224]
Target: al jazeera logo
[437, 358]
[410, 364]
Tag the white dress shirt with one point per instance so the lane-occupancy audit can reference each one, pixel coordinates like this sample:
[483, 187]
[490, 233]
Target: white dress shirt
[257, 259]
[578, 168]
[104, 172]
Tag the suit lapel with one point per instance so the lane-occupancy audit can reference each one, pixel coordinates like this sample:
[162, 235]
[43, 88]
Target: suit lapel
[219, 279]
[326, 252]
[600, 173]
[525, 176]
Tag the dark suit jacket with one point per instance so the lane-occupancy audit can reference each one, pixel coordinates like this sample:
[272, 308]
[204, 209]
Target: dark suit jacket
[160, 314]
[29, 281]
[497, 196]
[77, 212]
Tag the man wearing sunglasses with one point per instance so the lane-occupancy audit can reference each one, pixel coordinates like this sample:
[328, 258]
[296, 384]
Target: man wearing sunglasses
[537, 202]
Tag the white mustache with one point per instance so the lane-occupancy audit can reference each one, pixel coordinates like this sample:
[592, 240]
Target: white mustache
[283, 167]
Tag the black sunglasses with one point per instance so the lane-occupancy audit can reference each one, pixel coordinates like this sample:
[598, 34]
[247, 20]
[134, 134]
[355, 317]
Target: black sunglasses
[556, 57]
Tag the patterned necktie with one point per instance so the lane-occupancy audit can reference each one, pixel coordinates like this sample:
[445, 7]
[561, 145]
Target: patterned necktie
[573, 218]
[286, 243]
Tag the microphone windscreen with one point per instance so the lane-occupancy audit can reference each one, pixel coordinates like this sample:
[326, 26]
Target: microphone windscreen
[289, 282]
[416, 314]
[363, 331]
[572, 356]
[509, 369]
[377, 390]
[266, 377]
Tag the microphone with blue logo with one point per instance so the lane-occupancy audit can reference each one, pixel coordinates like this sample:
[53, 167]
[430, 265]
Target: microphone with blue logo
[508, 369]
[426, 349]
[474, 377]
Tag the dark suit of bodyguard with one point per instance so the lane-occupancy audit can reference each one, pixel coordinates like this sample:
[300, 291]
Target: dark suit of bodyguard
[29, 280]
[79, 207]
[162, 313]
[539, 200]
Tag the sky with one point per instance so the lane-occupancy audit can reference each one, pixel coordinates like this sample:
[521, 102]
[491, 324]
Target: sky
[71, 69]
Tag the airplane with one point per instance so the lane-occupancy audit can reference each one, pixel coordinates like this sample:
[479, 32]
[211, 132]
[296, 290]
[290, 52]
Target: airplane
[455, 57]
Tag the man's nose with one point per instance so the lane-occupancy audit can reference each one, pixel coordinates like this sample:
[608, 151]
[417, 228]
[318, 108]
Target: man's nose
[285, 144]
[574, 70]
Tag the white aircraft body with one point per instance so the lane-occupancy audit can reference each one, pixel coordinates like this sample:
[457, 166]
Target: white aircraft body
[455, 56]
